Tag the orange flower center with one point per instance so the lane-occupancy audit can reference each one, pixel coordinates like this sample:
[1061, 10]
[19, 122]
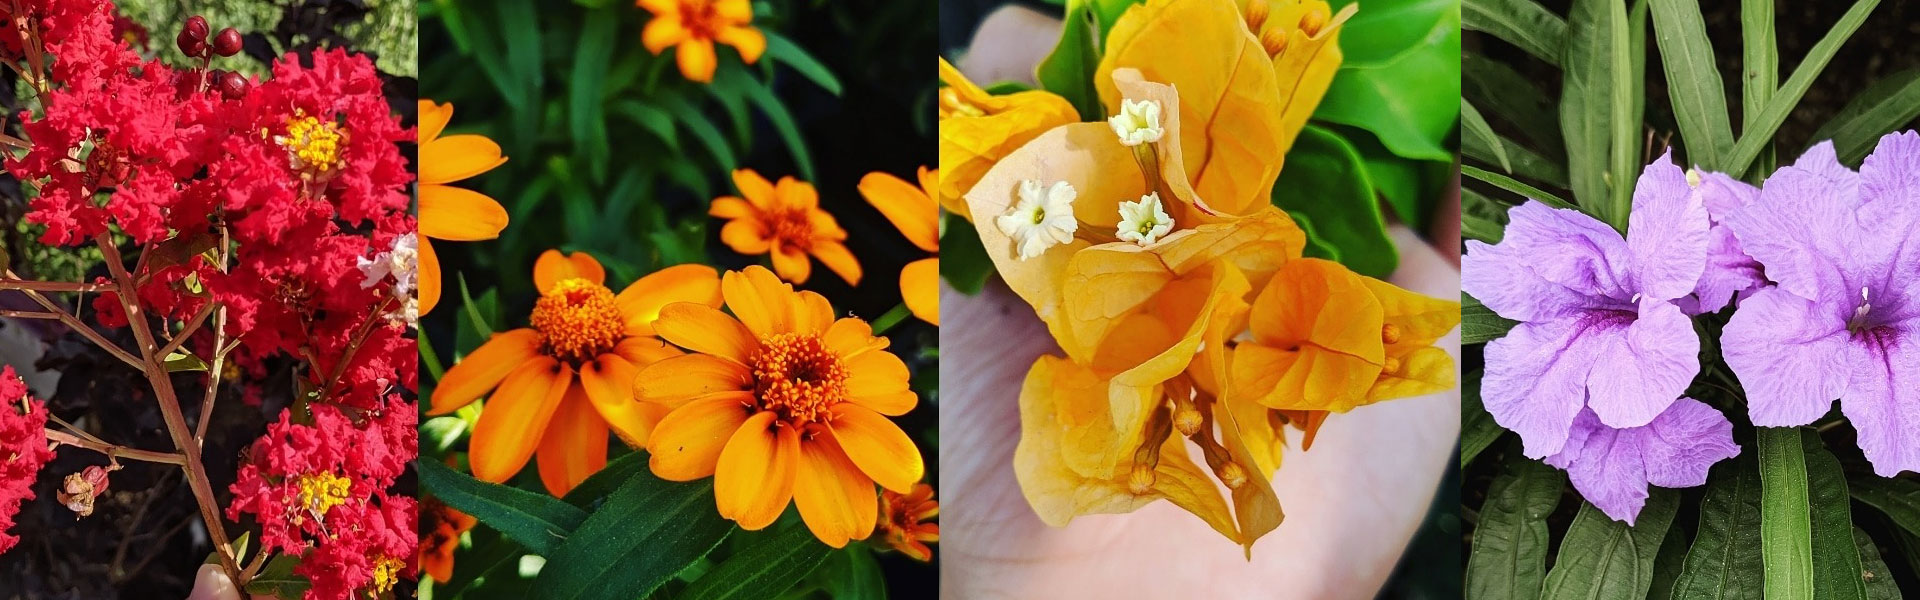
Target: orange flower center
[797, 376]
[793, 229]
[700, 17]
[579, 320]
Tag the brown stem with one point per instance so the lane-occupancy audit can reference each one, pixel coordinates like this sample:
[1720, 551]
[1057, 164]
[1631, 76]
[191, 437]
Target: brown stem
[114, 451]
[176, 421]
[30, 314]
[359, 338]
[217, 370]
[50, 286]
[193, 326]
[81, 327]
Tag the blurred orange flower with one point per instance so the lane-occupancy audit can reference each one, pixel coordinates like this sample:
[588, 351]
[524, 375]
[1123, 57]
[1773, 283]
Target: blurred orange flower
[902, 521]
[914, 212]
[785, 222]
[694, 25]
[781, 402]
[441, 526]
[579, 328]
[447, 212]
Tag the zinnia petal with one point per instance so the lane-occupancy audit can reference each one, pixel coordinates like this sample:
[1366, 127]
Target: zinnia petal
[703, 329]
[608, 384]
[515, 417]
[920, 289]
[878, 446]
[838, 259]
[674, 381]
[791, 263]
[749, 41]
[553, 267]
[906, 206]
[696, 59]
[664, 31]
[755, 476]
[456, 157]
[641, 301]
[746, 236]
[756, 189]
[429, 277]
[483, 369]
[686, 444]
[835, 498]
[462, 215]
[574, 445]
[760, 300]
[433, 119]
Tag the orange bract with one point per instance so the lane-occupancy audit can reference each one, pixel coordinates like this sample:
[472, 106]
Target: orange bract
[781, 402]
[447, 212]
[786, 222]
[903, 523]
[914, 212]
[559, 386]
[977, 129]
[694, 25]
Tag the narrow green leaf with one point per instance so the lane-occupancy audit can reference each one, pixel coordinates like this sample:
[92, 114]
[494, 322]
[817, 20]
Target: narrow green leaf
[1478, 324]
[1726, 551]
[1759, 132]
[1892, 101]
[1786, 538]
[1873, 569]
[278, 580]
[1524, 162]
[1477, 428]
[1604, 558]
[535, 520]
[646, 531]
[1666, 566]
[783, 124]
[1481, 218]
[1476, 129]
[1585, 119]
[1523, 23]
[766, 567]
[784, 51]
[1510, 543]
[1328, 182]
[702, 129]
[182, 360]
[1693, 81]
[1511, 98]
[1068, 69]
[1759, 59]
[1512, 185]
[1836, 559]
[602, 483]
[1899, 499]
[654, 120]
[586, 117]
[1625, 123]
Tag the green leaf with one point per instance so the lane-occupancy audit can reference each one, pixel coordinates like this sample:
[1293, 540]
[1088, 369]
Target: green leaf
[1317, 247]
[702, 129]
[1481, 218]
[646, 531]
[586, 117]
[1759, 132]
[1836, 559]
[1666, 566]
[654, 120]
[1786, 539]
[1408, 99]
[767, 566]
[963, 260]
[1759, 58]
[602, 483]
[1626, 116]
[277, 579]
[1604, 558]
[1478, 324]
[1585, 119]
[1526, 163]
[853, 574]
[1510, 543]
[535, 520]
[239, 546]
[784, 51]
[1899, 499]
[1068, 69]
[182, 360]
[1511, 98]
[1726, 551]
[1873, 569]
[1884, 106]
[776, 112]
[1327, 180]
[1513, 185]
[1523, 23]
[1693, 81]
[1477, 428]
[1476, 129]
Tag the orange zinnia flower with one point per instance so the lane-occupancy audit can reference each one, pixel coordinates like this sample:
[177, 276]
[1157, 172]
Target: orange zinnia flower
[786, 222]
[781, 401]
[694, 25]
[901, 517]
[447, 212]
[442, 526]
[579, 328]
[915, 213]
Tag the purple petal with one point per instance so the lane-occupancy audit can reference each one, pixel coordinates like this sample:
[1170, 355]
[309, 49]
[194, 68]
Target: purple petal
[1729, 272]
[1536, 380]
[1790, 354]
[1640, 368]
[1498, 276]
[1799, 230]
[1551, 262]
[1821, 161]
[1666, 232]
[1682, 443]
[1883, 399]
[1723, 195]
[1609, 472]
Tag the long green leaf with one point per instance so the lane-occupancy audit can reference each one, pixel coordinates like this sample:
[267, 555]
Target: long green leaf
[1525, 163]
[1786, 537]
[1509, 557]
[702, 129]
[1759, 132]
[1626, 120]
[1760, 65]
[1667, 566]
[1523, 23]
[764, 569]
[1585, 118]
[1880, 582]
[1884, 106]
[586, 116]
[1478, 324]
[537, 521]
[1899, 499]
[1693, 81]
[783, 123]
[1604, 558]
[602, 483]
[1836, 559]
[1481, 218]
[646, 531]
[1511, 98]
[1476, 129]
[1513, 185]
[1726, 551]
[784, 51]
[1477, 429]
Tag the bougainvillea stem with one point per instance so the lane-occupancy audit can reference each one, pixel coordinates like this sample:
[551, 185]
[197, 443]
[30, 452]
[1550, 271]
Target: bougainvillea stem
[115, 452]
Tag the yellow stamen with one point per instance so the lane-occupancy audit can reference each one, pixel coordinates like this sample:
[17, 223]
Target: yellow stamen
[320, 492]
[579, 319]
[386, 573]
[798, 377]
[315, 145]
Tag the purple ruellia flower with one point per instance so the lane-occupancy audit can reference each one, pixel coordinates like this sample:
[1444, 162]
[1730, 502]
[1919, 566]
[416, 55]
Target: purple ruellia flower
[1613, 467]
[1598, 325]
[1730, 272]
[1844, 320]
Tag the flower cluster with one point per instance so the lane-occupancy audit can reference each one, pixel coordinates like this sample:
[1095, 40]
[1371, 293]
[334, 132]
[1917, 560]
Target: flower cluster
[23, 449]
[1148, 245]
[1814, 263]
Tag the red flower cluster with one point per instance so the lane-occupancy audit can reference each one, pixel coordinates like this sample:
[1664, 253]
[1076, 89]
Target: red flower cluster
[23, 449]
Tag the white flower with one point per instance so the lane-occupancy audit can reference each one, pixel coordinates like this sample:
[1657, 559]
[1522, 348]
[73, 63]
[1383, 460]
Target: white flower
[402, 263]
[1138, 122]
[1145, 221]
[1043, 217]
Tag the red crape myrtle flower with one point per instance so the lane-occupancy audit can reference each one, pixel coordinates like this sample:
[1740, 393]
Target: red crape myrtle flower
[23, 449]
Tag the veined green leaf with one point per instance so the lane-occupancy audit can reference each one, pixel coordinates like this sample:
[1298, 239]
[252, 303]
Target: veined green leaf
[1899, 499]
[1525, 163]
[1884, 106]
[1758, 134]
[278, 580]
[1760, 67]
[1512, 185]
[1406, 99]
[1510, 544]
[1068, 70]
[1476, 129]
[1328, 182]
[1836, 559]
[764, 568]
[1477, 428]
[784, 51]
[1873, 569]
[646, 531]
[1585, 119]
[1627, 93]
[1481, 218]
[1478, 324]
[535, 520]
[1523, 23]
[1604, 558]
[1511, 98]
[1666, 566]
[1693, 81]
[596, 487]
[1786, 537]
[1726, 551]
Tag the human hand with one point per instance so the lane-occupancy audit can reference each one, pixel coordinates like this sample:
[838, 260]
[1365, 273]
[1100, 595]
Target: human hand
[212, 583]
[1352, 503]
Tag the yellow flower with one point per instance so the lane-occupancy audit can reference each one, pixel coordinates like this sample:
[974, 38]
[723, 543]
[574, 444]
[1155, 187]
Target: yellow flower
[786, 222]
[447, 212]
[912, 211]
[694, 25]
[978, 129]
[902, 521]
[559, 385]
[779, 402]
